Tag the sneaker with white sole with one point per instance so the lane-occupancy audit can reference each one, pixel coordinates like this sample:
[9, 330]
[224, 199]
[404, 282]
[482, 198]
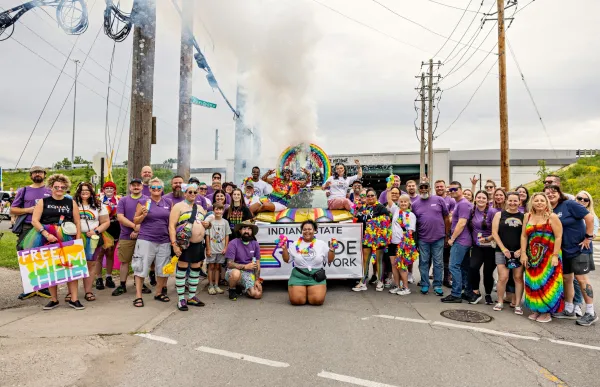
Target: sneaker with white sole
[404, 292]
[411, 279]
[219, 290]
[388, 283]
[211, 290]
[578, 311]
[379, 286]
[565, 315]
[394, 290]
[587, 319]
[360, 287]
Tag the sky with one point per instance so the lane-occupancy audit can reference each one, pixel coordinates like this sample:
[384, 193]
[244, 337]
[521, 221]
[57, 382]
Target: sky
[347, 84]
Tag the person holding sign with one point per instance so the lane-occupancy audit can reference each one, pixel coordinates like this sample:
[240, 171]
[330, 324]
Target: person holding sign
[338, 185]
[308, 282]
[55, 219]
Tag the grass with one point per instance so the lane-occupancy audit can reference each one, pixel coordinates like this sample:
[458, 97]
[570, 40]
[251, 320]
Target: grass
[8, 252]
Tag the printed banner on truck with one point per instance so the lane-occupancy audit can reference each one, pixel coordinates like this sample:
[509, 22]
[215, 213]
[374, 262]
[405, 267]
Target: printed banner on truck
[348, 257]
[51, 265]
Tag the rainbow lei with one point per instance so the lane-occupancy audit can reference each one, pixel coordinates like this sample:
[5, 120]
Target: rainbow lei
[282, 192]
[378, 234]
[281, 241]
[390, 181]
[246, 180]
[305, 250]
[407, 248]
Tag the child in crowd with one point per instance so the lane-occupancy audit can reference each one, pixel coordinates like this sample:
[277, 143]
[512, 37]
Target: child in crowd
[217, 239]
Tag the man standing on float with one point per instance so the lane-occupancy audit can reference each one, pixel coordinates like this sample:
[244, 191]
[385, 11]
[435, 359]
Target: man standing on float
[283, 190]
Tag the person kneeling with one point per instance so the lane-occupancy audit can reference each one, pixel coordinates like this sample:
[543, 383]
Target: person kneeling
[307, 282]
[243, 262]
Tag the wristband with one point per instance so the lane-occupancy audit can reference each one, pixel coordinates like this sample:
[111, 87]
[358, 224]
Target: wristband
[96, 232]
[588, 236]
[41, 229]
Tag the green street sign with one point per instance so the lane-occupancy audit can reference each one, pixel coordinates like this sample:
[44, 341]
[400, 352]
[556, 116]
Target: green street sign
[200, 102]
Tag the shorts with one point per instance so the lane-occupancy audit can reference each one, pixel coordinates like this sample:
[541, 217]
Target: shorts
[125, 250]
[299, 279]
[216, 258]
[147, 252]
[579, 265]
[500, 258]
[246, 281]
[194, 253]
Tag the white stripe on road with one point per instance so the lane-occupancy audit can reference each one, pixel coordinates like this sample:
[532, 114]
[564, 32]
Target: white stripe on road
[241, 356]
[485, 330]
[415, 320]
[156, 338]
[351, 380]
[574, 344]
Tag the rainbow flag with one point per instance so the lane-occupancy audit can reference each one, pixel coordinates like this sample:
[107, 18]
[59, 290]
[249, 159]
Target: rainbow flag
[267, 255]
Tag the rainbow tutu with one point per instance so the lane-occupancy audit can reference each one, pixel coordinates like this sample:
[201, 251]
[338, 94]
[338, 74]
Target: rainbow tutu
[35, 238]
[107, 242]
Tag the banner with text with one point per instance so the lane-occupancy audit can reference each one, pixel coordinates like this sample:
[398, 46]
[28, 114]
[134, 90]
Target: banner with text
[51, 265]
[348, 256]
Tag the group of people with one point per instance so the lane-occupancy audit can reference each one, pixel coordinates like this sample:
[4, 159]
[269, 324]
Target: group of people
[539, 245]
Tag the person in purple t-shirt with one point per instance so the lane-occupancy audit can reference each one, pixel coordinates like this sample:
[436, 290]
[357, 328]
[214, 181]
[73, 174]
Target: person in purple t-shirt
[440, 190]
[432, 227]
[176, 195]
[216, 185]
[129, 233]
[411, 189]
[146, 173]
[460, 242]
[243, 262]
[392, 181]
[23, 205]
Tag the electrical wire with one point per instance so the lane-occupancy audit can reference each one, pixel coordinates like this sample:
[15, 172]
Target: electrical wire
[470, 41]
[455, 27]
[112, 14]
[452, 6]
[107, 143]
[122, 99]
[471, 73]
[531, 96]
[457, 66]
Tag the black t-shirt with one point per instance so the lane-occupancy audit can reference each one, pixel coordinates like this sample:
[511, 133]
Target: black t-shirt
[509, 230]
[54, 209]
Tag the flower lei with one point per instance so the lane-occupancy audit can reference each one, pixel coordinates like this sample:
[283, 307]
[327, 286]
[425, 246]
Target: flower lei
[305, 250]
[284, 191]
[378, 233]
[390, 181]
[407, 248]
[246, 180]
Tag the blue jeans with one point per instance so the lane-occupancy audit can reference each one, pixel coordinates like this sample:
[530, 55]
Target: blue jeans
[457, 269]
[578, 298]
[431, 251]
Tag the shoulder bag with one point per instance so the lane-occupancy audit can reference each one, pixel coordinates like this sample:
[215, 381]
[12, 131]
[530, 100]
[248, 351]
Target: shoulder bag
[18, 226]
[184, 234]
[318, 276]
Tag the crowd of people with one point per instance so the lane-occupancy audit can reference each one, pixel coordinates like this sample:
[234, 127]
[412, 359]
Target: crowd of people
[539, 245]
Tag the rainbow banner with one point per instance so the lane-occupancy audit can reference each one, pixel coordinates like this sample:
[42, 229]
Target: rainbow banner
[51, 265]
[268, 256]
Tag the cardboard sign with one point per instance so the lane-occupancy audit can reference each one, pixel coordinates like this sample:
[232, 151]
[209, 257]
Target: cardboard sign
[51, 265]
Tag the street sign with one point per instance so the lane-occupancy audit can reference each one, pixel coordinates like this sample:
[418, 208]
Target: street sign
[97, 160]
[200, 102]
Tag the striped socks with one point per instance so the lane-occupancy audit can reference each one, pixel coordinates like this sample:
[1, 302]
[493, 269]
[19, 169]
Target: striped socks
[180, 275]
[193, 280]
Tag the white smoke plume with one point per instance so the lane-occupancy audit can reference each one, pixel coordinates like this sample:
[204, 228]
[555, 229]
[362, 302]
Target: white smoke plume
[274, 42]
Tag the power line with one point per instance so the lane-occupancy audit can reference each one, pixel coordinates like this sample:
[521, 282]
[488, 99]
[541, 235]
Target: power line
[455, 27]
[122, 99]
[457, 66]
[470, 41]
[451, 6]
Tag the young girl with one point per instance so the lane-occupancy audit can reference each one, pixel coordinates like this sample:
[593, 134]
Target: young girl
[402, 250]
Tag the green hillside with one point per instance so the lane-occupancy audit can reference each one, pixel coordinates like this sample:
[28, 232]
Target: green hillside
[583, 175]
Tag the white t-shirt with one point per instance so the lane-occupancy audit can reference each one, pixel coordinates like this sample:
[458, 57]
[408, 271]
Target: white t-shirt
[397, 232]
[339, 187]
[261, 188]
[250, 201]
[316, 257]
[90, 216]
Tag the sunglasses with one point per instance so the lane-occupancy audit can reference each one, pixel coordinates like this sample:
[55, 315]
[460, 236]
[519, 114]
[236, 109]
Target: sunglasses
[156, 187]
[489, 186]
[191, 192]
[582, 199]
[59, 188]
[370, 196]
[452, 189]
[362, 195]
[548, 182]
[203, 189]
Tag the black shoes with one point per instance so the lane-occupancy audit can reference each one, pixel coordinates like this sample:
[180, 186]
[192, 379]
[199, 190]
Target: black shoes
[51, 305]
[109, 283]
[99, 284]
[450, 299]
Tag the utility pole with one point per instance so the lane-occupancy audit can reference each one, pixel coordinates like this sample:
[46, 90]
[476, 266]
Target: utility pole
[74, 111]
[430, 124]
[216, 144]
[184, 138]
[422, 160]
[143, 17]
[504, 151]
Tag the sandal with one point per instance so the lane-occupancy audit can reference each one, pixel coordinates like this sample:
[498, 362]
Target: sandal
[162, 298]
[518, 310]
[498, 307]
[533, 316]
[138, 303]
[68, 297]
[89, 296]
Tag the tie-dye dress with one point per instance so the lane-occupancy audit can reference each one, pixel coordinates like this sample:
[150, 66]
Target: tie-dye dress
[543, 282]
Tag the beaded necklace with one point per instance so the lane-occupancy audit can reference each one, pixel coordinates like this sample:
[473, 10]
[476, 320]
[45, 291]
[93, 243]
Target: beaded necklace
[305, 250]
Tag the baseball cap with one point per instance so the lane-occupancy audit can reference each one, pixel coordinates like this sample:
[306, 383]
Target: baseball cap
[249, 184]
[424, 184]
[136, 180]
[37, 168]
[194, 180]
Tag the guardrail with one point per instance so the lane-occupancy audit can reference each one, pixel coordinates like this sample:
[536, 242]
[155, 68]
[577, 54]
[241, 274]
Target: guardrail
[587, 152]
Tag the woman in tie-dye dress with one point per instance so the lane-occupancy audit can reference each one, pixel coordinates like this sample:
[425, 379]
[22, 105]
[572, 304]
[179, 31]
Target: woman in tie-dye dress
[542, 258]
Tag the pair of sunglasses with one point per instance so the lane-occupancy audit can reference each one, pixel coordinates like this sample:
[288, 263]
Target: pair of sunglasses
[582, 199]
[452, 189]
[156, 187]
[192, 192]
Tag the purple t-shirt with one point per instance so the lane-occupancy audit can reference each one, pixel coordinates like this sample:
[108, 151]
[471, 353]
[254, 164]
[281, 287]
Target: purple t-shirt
[450, 202]
[155, 227]
[126, 207]
[201, 201]
[242, 253]
[413, 198]
[383, 196]
[477, 224]
[431, 214]
[32, 195]
[462, 211]
[173, 199]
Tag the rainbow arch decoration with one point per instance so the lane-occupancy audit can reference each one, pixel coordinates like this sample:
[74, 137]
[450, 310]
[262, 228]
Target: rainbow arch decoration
[296, 157]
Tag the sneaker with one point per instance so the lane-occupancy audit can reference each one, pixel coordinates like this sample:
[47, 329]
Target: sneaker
[218, 290]
[450, 299]
[388, 283]
[394, 290]
[51, 305]
[565, 315]
[475, 298]
[195, 301]
[373, 279]
[76, 305]
[44, 293]
[447, 284]
[182, 305]
[587, 319]
[411, 279]
[99, 284]
[438, 291]
[578, 311]
[404, 292]
[152, 276]
[465, 296]
[379, 286]
[109, 283]
[424, 289]
[25, 296]
[232, 294]
[488, 300]
[119, 290]
[360, 287]
[211, 290]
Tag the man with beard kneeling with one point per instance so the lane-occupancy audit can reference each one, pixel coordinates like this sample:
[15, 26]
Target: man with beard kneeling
[243, 262]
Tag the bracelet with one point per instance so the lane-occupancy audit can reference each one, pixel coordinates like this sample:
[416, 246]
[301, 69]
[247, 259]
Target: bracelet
[172, 243]
[41, 229]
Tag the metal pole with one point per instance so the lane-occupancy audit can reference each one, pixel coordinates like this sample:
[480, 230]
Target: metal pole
[184, 140]
[422, 159]
[504, 157]
[74, 111]
[216, 144]
[430, 125]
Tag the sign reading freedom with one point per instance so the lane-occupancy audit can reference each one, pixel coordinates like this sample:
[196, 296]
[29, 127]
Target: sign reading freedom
[51, 265]
[348, 256]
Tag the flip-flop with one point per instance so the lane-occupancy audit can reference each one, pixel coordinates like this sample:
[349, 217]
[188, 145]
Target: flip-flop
[138, 303]
[89, 296]
[533, 316]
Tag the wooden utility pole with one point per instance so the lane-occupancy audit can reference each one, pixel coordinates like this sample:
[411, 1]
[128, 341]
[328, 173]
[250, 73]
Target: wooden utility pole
[422, 161]
[184, 139]
[430, 125]
[142, 86]
[504, 152]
